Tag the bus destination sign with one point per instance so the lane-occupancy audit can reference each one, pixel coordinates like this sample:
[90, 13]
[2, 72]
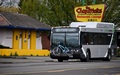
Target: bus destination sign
[65, 29]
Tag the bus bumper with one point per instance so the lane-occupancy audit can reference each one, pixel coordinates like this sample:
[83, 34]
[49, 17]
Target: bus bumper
[67, 56]
[60, 56]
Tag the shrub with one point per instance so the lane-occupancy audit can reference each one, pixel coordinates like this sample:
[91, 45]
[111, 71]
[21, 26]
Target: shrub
[118, 52]
[16, 54]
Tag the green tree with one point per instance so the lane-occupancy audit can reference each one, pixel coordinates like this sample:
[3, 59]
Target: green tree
[29, 7]
[61, 12]
[112, 12]
[52, 12]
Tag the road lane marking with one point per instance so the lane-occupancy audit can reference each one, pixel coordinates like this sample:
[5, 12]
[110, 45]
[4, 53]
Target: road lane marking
[117, 74]
[108, 67]
[60, 70]
[57, 71]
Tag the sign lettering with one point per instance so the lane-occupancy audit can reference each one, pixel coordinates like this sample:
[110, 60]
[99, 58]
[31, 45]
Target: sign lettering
[90, 13]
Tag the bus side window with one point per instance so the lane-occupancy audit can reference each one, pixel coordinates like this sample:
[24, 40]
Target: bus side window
[85, 39]
[82, 39]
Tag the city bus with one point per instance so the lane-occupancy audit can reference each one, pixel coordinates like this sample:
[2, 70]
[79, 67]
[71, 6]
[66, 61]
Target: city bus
[82, 40]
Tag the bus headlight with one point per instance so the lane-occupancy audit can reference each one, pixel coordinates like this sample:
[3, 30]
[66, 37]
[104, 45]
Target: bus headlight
[77, 50]
[74, 50]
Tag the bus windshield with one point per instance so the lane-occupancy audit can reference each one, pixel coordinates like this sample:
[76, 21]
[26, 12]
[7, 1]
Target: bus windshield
[72, 40]
[69, 40]
[58, 38]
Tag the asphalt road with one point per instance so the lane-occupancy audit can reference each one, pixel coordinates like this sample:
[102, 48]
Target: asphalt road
[47, 66]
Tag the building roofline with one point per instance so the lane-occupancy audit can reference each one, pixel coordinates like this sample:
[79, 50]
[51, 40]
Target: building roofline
[21, 21]
[21, 27]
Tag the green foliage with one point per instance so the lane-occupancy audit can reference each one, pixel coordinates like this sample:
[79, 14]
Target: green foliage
[4, 55]
[112, 12]
[11, 54]
[31, 55]
[16, 54]
[48, 54]
[52, 12]
[61, 12]
[118, 52]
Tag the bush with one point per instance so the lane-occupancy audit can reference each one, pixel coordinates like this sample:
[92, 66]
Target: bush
[11, 54]
[16, 54]
[118, 52]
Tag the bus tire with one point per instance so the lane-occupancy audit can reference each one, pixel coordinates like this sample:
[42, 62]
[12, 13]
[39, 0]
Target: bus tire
[60, 60]
[87, 57]
[108, 58]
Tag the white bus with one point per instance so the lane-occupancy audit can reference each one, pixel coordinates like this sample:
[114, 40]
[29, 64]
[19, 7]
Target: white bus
[82, 40]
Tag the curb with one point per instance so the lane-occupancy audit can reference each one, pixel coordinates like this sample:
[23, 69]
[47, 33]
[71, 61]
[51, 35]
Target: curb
[14, 57]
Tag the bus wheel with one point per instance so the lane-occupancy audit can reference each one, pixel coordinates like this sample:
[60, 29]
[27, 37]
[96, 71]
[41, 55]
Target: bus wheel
[87, 56]
[108, 58]
[60, 60]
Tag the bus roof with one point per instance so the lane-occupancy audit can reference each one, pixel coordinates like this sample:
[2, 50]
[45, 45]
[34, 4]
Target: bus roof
[92, 24]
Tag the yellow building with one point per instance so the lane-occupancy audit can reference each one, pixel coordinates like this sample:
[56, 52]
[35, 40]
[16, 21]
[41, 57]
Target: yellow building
[21, 35]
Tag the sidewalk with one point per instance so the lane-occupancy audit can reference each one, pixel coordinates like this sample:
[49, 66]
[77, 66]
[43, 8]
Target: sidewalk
[11, 60]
